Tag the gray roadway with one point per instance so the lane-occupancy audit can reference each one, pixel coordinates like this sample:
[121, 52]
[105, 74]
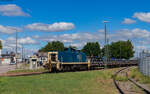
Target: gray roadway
[6, 68]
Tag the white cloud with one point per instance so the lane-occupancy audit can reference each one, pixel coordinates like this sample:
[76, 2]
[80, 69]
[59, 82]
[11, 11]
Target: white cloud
[36, 36]
[9, 29]
[75, 39]
[139, 33]
[101, 31]
[9, 45]
[79, 45]
[135, 33]
[105, 21]
[12, 10]
[80, 39]
[142, 16]
[128, 21]
[55, 27]
[140, 48]
[70, 38]
[25, 40]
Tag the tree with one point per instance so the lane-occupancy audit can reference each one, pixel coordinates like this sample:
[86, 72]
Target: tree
[129, 50]
[122, 49]
[92, 49]
[108, 51]
[73, 47]
[1, 46]
[53, 46]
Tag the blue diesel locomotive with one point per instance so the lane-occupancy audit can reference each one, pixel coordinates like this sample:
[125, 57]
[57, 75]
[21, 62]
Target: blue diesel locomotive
[70, 59]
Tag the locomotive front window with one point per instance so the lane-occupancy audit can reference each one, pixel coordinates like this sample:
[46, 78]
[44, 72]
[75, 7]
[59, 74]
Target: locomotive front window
[53, 57]
[33, 60]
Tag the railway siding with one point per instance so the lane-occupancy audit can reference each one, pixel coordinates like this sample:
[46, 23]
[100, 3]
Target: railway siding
[145, 88]
[128, 85]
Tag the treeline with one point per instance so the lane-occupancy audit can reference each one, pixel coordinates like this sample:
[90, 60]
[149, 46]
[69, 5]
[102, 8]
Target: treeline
[116, 50]
[1, 46]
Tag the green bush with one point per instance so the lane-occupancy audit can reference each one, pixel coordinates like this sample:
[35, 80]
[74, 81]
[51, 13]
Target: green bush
[138, 76]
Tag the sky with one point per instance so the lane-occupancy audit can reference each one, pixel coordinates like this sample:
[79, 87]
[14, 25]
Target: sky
[73, 22]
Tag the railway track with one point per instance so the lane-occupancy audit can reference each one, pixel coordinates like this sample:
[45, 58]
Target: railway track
[100, 66]
[131, 81]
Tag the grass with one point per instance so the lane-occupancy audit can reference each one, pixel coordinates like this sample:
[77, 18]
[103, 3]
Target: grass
[138, 76]
[135, 74]
[87, 82]
[23, 66]
[27, 70]
[121, 78]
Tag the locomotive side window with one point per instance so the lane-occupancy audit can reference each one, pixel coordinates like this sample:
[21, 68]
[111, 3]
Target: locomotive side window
[53, 57]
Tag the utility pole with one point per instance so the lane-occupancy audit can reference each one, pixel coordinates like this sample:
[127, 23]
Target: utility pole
[108, 55]
[105, 47]
[16, 49]
[105, 44]
[22, 53]
[120, 50]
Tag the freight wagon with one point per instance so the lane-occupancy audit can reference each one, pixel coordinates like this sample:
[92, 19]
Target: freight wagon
[69, 59]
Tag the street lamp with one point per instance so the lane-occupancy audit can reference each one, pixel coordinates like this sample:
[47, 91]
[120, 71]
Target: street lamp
[105, 53]
[16, 49]
[22, 52]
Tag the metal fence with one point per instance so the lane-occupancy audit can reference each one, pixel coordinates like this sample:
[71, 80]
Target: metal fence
[144, 63]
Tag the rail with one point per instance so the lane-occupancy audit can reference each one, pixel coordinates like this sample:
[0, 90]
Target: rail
[147, 91]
